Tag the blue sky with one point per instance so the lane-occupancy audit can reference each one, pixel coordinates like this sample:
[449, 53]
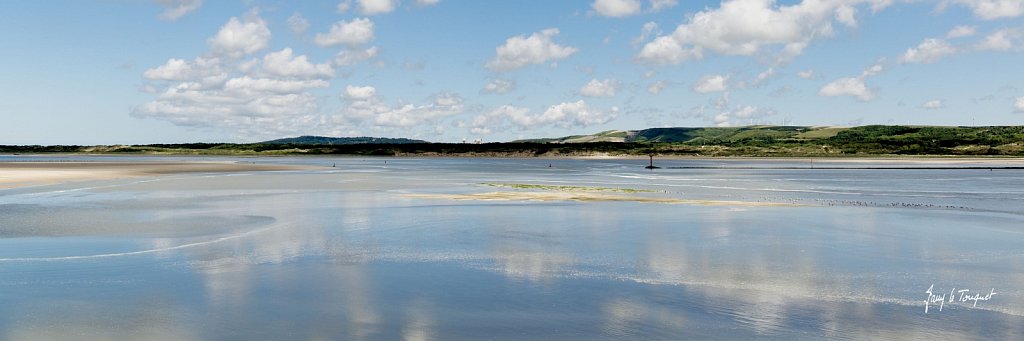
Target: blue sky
[122, 71]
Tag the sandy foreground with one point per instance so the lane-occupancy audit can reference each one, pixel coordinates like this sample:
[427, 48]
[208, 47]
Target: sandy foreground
[22, 174]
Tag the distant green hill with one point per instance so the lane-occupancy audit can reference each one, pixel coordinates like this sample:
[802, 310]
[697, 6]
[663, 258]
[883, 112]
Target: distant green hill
[701, 135]
[323, 140]
[817, 140]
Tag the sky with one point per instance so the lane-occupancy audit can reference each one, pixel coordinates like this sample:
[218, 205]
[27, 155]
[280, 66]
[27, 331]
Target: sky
[175, 71]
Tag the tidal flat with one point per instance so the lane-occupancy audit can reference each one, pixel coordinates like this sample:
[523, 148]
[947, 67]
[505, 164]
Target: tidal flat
[501, 249]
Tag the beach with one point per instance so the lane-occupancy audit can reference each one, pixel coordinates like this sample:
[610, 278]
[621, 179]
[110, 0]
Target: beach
[21, 174]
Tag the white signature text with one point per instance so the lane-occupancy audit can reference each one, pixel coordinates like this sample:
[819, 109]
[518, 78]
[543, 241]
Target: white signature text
[954, 296]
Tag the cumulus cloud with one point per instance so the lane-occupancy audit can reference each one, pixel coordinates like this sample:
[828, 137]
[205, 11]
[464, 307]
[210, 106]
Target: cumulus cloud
[1018, 106]
[962, 31]
[657, 87]
[763, 76]
[520, 51]
[344, 6]
[241, 37]
[1002, 40]
[711, 83]
[285, 64]
[852, 86]
[365, 105]
[427, 2]
[175, 9]
[372, 7]
[625, 8]
[657, 5]
[359, 92]
[933, 104]
[742, 115]
[499, 86]
[352, 56]
[297, 23]
[181, 70]
[600, 88]
[564, 115]
[616, 8]
[929, 51]
[646, 31]
[254, 97]
[989, 9]
[808, 74]
[748, 27]
[356, 32]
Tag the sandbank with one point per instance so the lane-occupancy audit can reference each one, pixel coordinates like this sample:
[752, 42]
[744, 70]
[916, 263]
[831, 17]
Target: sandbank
[586, 197]
[22, 174]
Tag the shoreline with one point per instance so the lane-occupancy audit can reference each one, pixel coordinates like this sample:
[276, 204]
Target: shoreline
[19, 174]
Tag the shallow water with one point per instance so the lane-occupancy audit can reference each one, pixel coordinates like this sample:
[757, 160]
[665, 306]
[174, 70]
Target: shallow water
[343, 253]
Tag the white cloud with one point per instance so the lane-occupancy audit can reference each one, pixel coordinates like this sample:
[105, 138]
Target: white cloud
[747, 27]
[666, 50]
[356, 32]
[520, 51]
[853, 86]
[344, 6]
[371, 7]
[989, 9]
[499, 86]
[743, 115]
[1018, 106]
[657, 87]
[237, 37]
[408, 115]
[359, 92]
[427, 2]
[252, 86]
[873, 69]
[600, 88]
[1002, 40]
[763, 76]
[175, 9]
[711, 83]
[808, 74]
[564, 115]
[846, 15]
[352, 56]
[181, 70]
[934, 104]
[297, 23]
[646, 31]
[962, 31]
[625, 8]
[364, 105]
[257, 97]
[929, 51]
[284, 64]
[616, 8]
[658, 5]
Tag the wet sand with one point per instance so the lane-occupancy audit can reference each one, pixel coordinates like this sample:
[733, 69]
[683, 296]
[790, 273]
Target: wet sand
[587, 196]
[22, 174]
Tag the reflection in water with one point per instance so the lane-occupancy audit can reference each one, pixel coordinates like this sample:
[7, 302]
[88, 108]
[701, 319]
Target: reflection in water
[343, 255]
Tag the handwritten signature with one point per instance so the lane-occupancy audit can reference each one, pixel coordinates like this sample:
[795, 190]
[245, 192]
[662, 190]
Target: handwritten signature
[962, 295]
